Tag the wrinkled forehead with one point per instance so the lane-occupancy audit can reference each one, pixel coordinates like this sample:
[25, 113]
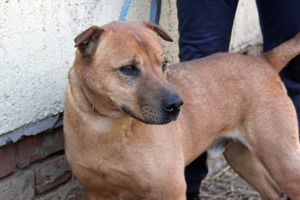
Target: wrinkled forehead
[134, 30]
[131, 40]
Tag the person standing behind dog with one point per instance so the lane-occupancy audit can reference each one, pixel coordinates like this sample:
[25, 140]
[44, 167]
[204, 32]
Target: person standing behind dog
[205, 28]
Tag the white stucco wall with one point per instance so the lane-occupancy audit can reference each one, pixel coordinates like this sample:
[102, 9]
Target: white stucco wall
[36, 52]
[246, 30]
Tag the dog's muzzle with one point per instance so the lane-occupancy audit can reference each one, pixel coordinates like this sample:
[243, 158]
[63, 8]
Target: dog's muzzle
[167, 111]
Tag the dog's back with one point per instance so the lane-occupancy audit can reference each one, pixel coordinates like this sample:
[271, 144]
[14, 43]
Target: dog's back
[230, 77]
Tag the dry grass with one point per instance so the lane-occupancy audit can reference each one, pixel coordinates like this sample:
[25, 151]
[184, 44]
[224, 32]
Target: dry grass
[227, 185]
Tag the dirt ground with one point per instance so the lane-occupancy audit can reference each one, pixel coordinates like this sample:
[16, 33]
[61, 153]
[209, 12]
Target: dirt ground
[227, 185]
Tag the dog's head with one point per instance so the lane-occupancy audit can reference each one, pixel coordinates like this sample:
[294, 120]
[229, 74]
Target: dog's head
[121, 68]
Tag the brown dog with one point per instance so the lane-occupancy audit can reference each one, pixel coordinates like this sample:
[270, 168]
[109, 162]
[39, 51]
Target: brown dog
[118, 93]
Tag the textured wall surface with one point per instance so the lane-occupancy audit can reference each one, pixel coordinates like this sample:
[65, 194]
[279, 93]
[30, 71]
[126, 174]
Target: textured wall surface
[36, 49]
[246, 30]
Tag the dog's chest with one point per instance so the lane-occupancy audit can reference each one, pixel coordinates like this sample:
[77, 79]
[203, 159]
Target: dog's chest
[120, 180]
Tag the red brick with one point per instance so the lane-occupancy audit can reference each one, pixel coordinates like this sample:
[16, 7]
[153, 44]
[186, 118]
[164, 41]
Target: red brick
[18, 186]
[8, 159]
[33, 148]
[70, 190]
[51, 173]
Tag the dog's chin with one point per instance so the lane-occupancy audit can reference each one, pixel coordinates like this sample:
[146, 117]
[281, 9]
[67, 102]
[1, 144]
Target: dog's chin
[160, 120]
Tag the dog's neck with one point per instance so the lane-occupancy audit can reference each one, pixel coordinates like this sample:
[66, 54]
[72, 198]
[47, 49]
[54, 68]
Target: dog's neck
[80, 96]
[88, 101]
[84, 102]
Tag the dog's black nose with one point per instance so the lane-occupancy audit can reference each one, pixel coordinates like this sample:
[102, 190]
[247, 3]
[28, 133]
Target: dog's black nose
[172, 104]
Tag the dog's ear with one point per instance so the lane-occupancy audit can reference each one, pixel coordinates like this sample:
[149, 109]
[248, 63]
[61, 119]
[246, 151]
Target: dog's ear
[159, 31]
[87, 40]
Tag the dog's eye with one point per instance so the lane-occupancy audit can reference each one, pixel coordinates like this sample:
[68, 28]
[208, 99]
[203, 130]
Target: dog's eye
[129, 70]
[165, 63]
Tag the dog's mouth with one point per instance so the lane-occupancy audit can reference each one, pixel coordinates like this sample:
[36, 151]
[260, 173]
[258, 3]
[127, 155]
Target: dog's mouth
[150, 116]
[171, 118]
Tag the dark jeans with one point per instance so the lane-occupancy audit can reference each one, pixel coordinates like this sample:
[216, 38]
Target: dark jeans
[205, 28]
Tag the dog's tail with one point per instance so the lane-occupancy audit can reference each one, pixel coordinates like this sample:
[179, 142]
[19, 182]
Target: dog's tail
[281, 55]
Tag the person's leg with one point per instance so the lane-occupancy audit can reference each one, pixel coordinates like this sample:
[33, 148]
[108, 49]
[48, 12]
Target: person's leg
[280, 21]
[204, 28]
[194, 174]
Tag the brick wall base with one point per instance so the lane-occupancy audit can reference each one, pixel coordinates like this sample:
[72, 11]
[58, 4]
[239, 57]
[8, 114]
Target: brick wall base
[35, 168]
